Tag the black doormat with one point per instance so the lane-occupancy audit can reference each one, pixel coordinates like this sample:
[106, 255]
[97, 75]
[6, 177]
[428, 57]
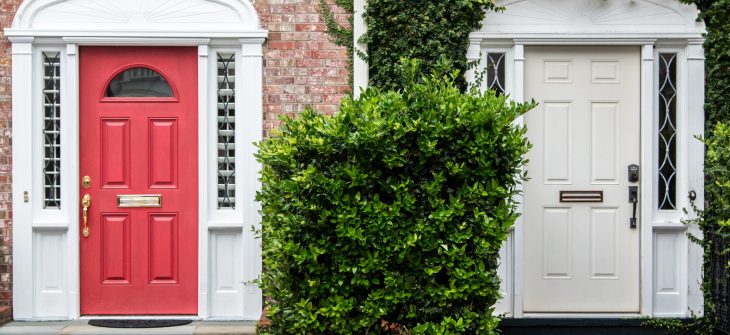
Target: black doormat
[112, 323]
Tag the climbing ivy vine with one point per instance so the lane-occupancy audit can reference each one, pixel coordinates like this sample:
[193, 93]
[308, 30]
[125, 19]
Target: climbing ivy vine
[424, 30]
[341, 35]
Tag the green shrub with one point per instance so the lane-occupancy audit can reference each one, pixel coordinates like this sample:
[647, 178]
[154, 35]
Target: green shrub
[387, 218]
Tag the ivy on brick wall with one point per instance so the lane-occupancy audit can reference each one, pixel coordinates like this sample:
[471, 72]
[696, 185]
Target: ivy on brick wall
[424, 30]
[341, 35]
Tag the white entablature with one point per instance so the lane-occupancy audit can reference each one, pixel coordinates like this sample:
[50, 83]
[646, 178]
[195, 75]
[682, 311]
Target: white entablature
[209, 18]
[600, 17]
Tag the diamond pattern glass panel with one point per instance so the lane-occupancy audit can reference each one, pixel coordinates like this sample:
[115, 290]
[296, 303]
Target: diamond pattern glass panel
[667, 131]
[495, 72]
[52, 129]
[226, 130]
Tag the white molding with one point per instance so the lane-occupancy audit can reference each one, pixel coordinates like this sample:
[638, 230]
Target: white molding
[153, 41]
[202, 16]
[473, 54]
[695, 169]
[251, 132]
[204, 114]
[584, 38]
[556, 18]
[36, 29]
[71, 76]
[518, 95]
[647, 176]
[22, 86]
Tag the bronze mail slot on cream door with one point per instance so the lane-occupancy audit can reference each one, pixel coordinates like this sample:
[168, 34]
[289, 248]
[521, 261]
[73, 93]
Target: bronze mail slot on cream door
[581, 196]
[139, 201]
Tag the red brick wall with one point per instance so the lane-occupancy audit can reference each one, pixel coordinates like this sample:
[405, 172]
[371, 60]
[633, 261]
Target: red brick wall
[301, 67]
[7, 12]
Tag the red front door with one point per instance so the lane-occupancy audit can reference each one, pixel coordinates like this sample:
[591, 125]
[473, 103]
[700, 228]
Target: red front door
[139, 172]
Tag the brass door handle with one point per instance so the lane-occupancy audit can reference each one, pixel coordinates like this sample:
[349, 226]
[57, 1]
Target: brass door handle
[85, 203]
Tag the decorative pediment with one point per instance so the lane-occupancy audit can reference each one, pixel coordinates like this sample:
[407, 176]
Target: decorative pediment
[137, 15]
[578, 16]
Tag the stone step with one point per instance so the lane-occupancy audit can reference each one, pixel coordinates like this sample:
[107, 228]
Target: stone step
[81, 327]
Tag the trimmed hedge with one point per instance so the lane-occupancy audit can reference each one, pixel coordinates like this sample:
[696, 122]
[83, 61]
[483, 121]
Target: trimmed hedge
[387, 218]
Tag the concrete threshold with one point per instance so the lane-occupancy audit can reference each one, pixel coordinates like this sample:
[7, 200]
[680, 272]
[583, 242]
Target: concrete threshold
[81, 327]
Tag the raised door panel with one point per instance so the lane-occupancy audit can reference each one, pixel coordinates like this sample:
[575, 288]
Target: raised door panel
[557, 244]
[116, 258]
[605, 142]
[163, 150]
[604, 243]
[115, 153]
[558, 147]
[163, 255]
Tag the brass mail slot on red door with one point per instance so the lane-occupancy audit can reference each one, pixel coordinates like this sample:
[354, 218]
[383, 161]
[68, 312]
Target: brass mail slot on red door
[139, 201]
[581, 196]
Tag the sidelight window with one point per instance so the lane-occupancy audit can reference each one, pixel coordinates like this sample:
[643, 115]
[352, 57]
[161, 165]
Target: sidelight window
[226, 109]
[52, 130]
[495, 74]
[667, 103]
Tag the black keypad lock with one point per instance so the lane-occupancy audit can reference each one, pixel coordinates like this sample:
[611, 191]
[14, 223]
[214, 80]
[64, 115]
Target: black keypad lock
[633, 173]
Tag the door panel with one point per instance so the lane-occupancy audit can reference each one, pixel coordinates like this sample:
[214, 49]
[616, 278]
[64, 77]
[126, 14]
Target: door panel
[581, 257]
[140, 259]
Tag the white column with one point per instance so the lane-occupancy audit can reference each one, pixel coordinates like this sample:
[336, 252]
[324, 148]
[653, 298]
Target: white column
[473, 54]
[251, 93]
[70, 160]
[519, 96]
[647, 177]
[22, 56]
[696, 157]
[203, 116]
[361, 72]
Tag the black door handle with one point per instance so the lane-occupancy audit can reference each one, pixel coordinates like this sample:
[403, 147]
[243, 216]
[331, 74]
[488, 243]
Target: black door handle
[634, 199]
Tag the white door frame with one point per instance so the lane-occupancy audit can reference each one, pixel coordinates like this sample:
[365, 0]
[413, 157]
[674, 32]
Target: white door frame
[46, 242]
[670, 264]
[653, 224]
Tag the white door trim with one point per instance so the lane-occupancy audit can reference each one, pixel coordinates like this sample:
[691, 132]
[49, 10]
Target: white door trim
[667, 289]
[30, 37]
[688, 265]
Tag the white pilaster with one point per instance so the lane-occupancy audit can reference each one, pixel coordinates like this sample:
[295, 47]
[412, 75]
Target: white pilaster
[695, 167]
[473, 55]
[251, 132]
[647, 177]
[70, 159]
[361, 71]
[203, 116]
[518, 96]
[22, 55]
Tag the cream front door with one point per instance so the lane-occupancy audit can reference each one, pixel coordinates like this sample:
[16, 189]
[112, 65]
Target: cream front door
[581, 254]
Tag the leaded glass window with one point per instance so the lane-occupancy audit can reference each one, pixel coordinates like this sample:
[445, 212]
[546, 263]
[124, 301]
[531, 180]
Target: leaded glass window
[52, 129]
[226, 130]
[667, 187]
[495, 72]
